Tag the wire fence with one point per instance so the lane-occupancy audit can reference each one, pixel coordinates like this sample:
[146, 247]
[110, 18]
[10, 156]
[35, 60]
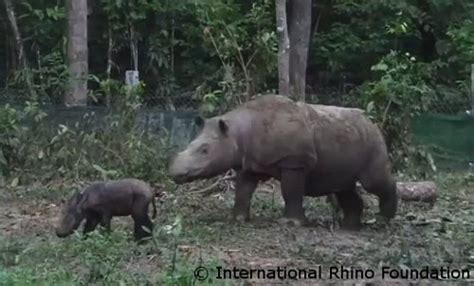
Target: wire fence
[177, 126]
[445, 130]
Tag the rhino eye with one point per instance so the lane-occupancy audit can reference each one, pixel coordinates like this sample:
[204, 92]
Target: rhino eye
[204, 149]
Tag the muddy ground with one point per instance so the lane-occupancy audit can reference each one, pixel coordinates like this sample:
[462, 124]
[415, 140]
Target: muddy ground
[193, 230]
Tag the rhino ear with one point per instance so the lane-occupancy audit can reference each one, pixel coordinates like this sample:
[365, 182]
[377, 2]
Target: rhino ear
[223, 127]
[199, 121]
[82, 200]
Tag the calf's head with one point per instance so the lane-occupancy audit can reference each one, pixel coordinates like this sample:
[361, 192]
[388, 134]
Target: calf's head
[70, 215]
[211, 153]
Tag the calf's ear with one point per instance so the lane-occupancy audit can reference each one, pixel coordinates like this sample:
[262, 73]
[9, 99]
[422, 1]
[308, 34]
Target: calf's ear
[82, 203]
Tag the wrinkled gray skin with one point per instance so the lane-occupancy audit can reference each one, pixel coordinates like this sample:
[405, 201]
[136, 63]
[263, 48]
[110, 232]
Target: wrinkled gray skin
[99, 202]
[313, 150]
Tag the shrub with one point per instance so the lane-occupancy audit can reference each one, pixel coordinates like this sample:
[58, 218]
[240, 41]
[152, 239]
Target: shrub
[400, 91]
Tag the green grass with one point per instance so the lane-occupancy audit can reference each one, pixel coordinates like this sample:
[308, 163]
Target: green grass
[192, 231]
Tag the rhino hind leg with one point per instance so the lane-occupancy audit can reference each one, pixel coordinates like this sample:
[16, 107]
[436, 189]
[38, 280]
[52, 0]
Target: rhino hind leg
[388, 200]
[244, 189]
[143, 226]
[352, 207]
[379, 181]
[293, 190]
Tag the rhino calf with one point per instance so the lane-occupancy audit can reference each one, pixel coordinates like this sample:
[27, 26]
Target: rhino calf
[99, 202]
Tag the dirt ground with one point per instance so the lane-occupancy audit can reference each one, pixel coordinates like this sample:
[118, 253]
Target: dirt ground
[421, 235]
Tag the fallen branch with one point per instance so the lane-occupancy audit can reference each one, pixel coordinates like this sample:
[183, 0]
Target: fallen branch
[211, 189]
[158, 189]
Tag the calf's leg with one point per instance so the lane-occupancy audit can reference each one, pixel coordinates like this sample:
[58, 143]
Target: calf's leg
[140, 222]
[141, 219]
[92, 220]
[106, 222]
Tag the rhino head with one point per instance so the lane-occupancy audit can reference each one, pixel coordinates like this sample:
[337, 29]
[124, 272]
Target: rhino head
[212, 152]
[70, 215]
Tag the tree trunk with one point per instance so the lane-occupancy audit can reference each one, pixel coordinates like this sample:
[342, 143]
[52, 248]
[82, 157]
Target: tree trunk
[283, 48]
[8, 58]
[19, 47]
[299, 33]
[133, 48]
[110, 47]
[77, 53]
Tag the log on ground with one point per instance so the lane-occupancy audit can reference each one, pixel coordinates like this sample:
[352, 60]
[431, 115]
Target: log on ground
[425, 191]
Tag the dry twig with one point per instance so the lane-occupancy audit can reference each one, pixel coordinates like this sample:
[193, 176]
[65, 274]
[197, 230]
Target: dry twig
[226, 180]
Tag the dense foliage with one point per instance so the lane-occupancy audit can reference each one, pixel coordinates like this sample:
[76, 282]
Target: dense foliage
[31, 151]
[215, 46]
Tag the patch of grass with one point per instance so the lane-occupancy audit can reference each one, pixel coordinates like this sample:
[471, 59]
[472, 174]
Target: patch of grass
[9, 252]
[100, 258]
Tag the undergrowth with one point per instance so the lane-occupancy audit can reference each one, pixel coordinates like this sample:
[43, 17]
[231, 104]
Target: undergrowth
[402, 88]
[106, 259]
[32, 148]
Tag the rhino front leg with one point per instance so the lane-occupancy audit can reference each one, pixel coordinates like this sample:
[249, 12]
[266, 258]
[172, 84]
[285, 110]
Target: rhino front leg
[106, 221]
[92, 220]
[293, 189]
[244, 189]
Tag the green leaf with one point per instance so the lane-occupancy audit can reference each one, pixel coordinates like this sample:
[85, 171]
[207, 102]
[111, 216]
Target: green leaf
[3, 160]
[15, 182]
[99, 168]
[40, 154]
[379, 67]
[370, 107]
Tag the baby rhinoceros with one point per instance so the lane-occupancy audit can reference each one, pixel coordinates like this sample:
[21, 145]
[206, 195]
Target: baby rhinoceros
[99, 202]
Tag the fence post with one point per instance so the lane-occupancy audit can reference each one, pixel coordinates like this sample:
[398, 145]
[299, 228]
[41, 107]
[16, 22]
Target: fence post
[472, 90]
[471, 112]
[131, 77]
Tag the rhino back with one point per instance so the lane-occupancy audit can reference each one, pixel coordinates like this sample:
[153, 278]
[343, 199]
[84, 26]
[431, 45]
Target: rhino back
[345, 141]
[272, 132]
[118, 196]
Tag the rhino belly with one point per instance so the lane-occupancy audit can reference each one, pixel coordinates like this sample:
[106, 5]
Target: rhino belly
[316, 186]
[332, 176]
